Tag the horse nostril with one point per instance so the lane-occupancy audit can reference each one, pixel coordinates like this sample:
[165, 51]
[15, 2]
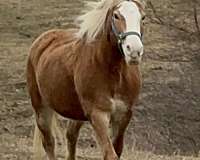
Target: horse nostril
[128, 47]
[138, 53]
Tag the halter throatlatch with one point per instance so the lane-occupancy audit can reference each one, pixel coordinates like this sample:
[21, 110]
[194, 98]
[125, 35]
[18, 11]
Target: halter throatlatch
[121, 36]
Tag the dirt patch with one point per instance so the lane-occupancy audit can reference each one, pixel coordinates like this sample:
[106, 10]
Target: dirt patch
[167, 119]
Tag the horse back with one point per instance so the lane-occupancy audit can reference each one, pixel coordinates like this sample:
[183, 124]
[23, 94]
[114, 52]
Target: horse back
[50, 39]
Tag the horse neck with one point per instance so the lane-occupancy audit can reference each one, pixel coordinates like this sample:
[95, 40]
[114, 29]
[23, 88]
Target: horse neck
[109, 56]
[113, 61]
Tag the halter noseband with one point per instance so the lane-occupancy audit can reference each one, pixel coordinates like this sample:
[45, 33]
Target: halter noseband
[122, 35]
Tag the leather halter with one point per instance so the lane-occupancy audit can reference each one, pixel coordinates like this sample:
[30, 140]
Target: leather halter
[121, 36]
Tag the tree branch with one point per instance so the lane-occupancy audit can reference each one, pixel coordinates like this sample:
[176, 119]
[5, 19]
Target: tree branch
[16, 84]
[161, 21]
[155, 12]
[196, 20]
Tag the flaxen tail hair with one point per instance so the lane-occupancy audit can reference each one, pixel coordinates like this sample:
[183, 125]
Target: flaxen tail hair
[38, 150]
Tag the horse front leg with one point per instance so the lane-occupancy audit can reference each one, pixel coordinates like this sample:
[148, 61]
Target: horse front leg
[119, 125]
[100, 121]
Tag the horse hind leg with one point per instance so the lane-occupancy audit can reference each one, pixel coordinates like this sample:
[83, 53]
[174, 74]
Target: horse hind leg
[43, 132]
[73, 128]
[44, 119]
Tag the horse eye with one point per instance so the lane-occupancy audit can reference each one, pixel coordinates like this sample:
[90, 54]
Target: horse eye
[116, 16]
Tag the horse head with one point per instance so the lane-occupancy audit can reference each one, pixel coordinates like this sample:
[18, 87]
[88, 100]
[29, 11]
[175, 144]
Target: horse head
[124, 27]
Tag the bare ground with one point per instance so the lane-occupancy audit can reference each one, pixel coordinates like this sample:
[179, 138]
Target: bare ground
[167, 119]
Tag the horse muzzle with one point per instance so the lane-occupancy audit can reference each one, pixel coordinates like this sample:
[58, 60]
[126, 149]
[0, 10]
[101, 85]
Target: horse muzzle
[133, 60]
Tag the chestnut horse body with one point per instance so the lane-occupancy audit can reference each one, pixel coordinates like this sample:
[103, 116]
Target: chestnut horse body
[84, 81]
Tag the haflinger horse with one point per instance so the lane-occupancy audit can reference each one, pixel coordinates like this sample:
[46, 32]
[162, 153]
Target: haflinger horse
[90, 73]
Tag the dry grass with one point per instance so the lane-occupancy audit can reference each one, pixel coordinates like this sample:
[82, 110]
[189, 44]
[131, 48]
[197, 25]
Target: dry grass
[136, 155]
[128, 154]
[151, 156]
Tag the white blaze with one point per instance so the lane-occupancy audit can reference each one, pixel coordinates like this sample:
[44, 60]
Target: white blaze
[130, 11]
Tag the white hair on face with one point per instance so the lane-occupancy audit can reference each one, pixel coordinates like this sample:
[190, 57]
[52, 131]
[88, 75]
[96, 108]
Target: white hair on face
[93, 21]
[132, 45]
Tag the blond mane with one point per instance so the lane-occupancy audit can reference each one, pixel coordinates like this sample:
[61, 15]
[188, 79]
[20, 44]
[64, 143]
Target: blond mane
[93, 21]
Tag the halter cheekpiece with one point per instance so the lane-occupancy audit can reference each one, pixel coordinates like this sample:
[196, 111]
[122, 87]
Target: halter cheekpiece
[121, 36]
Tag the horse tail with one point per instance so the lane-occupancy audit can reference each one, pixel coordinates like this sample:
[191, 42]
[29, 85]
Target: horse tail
[57, 132]
[38, 150]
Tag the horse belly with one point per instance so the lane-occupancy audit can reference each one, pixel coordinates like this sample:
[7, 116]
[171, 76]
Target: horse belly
[68, 106]
[65, 102]
[58, 92]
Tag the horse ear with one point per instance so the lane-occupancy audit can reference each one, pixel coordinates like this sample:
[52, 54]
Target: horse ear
[142, 3]
[107, 26]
